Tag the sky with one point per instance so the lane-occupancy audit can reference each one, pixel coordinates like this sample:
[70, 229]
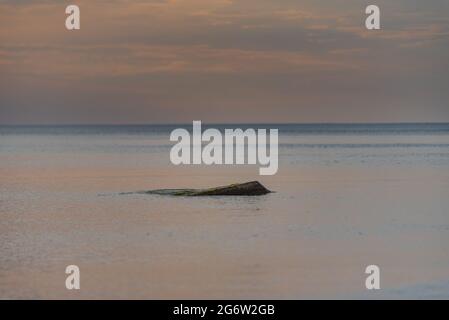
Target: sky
[223, 61]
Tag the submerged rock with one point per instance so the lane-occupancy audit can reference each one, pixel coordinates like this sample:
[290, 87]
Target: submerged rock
[253, 188]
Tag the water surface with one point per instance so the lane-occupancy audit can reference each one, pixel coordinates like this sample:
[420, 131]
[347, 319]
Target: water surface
[348, 195]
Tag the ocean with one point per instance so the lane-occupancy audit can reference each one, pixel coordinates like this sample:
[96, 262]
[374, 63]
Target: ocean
[346, 196]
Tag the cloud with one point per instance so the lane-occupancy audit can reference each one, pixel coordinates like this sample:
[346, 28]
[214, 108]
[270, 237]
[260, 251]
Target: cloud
[289, 55]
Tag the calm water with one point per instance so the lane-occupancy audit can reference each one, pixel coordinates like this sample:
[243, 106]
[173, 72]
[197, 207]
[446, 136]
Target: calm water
[321, 144]
[348, 195]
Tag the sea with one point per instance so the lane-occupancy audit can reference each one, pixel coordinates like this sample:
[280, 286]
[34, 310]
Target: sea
[346, 196]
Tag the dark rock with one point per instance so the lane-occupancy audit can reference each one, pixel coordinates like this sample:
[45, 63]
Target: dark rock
[253, 188]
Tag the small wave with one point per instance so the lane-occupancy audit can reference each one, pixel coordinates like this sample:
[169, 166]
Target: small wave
[364, 145]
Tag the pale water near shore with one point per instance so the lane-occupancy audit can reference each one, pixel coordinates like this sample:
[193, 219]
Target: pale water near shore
[347, 196]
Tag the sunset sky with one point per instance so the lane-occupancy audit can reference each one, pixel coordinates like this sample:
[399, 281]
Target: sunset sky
[171, 61]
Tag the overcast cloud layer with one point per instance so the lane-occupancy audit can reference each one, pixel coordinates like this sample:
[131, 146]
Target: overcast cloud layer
[136, 61]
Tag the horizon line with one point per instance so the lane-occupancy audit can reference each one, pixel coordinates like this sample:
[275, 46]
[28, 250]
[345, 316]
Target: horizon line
[218, 123]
